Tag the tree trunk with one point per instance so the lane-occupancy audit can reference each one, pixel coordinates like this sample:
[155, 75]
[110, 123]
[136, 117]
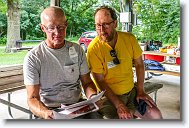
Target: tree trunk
[13, 24]
[55, 3]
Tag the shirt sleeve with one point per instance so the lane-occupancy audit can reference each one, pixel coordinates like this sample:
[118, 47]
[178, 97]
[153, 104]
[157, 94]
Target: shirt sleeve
[30, 70]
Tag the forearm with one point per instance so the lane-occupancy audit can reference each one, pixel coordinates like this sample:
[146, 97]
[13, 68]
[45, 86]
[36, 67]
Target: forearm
[88, 85]
[140, 74]
[37, 107]
[110, 94]
[90, 89]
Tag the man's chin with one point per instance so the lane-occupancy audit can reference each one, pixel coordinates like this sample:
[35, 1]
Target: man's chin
[58, 41]
[104, 40]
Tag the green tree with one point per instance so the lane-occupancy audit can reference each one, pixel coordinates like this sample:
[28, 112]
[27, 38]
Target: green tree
[159, 20]
[3, 25]
[3, 19]
[30, 18]
[3, 6]
[80, 15]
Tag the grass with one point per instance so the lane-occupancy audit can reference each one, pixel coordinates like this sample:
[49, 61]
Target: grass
[18, 57]
[13, 58]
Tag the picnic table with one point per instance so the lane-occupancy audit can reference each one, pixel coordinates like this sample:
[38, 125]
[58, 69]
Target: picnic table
[172, 66]
[11, 79]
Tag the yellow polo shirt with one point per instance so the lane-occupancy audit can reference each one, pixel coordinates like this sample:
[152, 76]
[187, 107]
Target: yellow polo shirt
[118, 77]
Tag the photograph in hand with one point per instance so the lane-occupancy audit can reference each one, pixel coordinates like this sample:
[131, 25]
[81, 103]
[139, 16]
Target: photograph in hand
[77, 109]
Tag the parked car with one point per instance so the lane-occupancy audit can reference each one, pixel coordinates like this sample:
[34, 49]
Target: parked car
[86, 38]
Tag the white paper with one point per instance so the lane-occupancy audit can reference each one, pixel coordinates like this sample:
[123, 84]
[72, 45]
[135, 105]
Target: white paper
[78, 109]
[92, 100]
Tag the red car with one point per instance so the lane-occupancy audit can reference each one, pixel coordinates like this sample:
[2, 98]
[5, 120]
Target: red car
[86, 38]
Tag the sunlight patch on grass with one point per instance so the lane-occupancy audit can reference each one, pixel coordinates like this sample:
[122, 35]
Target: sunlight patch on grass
[11, 58]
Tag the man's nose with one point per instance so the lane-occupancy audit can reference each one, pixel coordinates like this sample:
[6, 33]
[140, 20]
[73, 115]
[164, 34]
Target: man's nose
[102, 28]
[56, 30]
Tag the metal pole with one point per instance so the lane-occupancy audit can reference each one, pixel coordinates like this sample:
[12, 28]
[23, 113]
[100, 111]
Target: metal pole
[55, 3]
[128, 8]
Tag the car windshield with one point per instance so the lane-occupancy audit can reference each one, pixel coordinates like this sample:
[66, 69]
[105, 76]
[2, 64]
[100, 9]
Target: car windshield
[83, 35]
[91, 35]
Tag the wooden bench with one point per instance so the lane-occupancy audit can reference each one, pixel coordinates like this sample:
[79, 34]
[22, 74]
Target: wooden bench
[13, 50]
[150, 87]
[19, 42]
[11, 79]
[19, 46]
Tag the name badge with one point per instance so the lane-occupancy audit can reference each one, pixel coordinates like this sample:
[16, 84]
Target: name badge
[72, 52]
[111, 64]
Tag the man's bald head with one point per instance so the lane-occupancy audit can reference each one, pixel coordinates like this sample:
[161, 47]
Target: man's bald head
[52, 12]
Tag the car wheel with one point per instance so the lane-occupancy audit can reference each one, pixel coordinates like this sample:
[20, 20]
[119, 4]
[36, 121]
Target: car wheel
[84, 47]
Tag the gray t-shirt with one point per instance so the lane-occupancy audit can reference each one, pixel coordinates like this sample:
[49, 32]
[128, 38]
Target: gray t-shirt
[57, 71]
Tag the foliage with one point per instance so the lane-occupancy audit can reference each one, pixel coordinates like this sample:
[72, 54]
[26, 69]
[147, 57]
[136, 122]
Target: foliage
[3, 40]
[30, 18]
[3, 6]
[73, 39]
[160, 20]
[3, 25]
[3, 18]
[80, 15]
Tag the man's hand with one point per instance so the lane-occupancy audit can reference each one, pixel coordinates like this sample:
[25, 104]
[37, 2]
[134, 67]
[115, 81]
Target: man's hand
[93, 95]
[123, 112]
[146, 98]
[48, 114]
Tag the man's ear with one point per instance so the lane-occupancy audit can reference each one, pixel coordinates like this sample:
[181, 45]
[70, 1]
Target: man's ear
[115, 24]
[42, 27]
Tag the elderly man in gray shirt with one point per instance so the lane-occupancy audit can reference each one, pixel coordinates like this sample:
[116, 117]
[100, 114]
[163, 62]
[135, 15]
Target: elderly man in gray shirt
[55, 70]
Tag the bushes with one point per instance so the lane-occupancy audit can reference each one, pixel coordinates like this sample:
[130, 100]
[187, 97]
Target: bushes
[3, 40]
[73, 39]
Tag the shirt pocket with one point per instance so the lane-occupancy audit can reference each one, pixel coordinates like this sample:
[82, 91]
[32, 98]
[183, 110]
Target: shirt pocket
[71, 73]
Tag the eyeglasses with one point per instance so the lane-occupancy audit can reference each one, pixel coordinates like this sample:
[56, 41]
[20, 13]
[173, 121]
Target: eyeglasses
[115, 60]
[59, 28]
[104, 25]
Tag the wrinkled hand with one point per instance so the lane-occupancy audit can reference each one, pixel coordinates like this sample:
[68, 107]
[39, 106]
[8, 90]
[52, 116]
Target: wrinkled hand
[123, 112]
[146, 98]
[48, 114]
